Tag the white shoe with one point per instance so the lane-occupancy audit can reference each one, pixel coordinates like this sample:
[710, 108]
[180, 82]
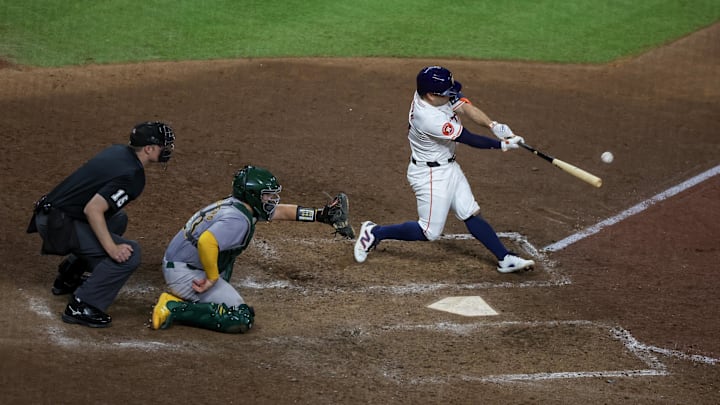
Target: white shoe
[511, 263]
[365, 241]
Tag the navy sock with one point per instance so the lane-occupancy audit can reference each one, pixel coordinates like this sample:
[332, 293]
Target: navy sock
[482, 231]
[406, 231]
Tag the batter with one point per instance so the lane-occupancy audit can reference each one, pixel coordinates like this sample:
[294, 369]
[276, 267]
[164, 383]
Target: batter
[434, 174]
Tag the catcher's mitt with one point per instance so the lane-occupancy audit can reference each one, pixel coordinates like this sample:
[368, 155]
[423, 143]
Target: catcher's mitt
[335, 213]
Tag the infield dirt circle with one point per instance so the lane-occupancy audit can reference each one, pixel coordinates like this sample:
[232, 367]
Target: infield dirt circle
[625, 315]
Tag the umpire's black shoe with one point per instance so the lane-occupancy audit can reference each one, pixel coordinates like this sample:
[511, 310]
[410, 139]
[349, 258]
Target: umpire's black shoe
[85, 314]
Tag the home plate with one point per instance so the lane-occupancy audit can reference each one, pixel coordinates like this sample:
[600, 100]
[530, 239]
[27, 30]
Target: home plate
[466, 306]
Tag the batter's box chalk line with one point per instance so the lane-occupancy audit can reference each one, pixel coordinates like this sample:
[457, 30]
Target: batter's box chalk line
[644, 353]
[57, 332]
[555, 278]
[636, 209]
[58, 335]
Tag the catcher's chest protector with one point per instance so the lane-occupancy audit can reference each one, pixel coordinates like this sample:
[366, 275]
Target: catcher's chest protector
[226, 258]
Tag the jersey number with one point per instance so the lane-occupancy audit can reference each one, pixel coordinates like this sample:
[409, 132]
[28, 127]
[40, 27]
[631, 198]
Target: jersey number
[120, 197]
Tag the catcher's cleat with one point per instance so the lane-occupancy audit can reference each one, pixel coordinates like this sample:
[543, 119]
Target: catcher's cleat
[365, 242]
[161, 313]
[511, 263]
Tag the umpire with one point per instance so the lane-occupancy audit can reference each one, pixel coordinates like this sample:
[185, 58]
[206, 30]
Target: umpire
[82, 218]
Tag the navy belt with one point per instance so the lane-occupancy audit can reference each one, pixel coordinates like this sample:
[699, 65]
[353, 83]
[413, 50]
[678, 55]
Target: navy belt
[171, 265]
[432, 164]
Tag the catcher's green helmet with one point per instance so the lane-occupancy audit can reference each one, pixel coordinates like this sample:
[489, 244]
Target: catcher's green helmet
[258, 188]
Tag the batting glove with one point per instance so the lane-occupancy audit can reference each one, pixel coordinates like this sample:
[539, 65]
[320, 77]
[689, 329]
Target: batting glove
[502, 131]
[511, 143]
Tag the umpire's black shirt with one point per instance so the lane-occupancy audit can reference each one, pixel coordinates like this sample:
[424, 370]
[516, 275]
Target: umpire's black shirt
[116, 174]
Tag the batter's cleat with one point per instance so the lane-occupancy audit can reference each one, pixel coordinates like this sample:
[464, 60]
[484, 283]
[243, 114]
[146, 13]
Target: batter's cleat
[365, 241]
[511, 263]
[161, 313]
[85, 314]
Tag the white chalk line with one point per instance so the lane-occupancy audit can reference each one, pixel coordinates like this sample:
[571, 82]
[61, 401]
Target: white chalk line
[58, 335]
[268, 251]
[556, 279]
[642, 206]
[632, 344]
[642, 352]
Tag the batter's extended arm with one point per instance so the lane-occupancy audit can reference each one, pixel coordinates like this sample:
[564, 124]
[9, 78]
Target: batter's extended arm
[475, 114]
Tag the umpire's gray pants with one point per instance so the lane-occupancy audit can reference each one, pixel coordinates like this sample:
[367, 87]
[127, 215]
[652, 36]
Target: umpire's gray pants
[108, 276]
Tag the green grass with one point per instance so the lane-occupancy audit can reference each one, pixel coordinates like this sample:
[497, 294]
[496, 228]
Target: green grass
[67, 32]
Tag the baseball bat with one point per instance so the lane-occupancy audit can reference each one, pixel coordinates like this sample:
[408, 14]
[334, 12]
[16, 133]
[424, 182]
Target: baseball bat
[566, 167]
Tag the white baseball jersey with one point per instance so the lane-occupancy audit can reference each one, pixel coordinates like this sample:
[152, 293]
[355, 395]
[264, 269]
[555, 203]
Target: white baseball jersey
[433, 130]
[437, 180]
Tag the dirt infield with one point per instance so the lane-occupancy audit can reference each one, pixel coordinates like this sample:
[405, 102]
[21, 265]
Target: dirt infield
[627, 314]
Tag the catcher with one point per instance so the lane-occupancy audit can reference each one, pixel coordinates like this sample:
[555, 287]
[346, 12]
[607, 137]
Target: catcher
[199, 261]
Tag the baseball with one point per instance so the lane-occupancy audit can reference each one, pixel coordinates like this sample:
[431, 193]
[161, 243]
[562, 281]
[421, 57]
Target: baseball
[607, 157]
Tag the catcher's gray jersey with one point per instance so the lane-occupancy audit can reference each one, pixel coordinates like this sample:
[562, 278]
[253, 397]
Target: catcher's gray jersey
[228, 224]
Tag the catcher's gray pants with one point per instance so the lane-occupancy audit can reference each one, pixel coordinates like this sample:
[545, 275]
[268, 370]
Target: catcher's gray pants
[179, 277]
[108, 276]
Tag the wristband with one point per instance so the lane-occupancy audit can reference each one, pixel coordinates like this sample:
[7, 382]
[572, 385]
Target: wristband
[305, 214]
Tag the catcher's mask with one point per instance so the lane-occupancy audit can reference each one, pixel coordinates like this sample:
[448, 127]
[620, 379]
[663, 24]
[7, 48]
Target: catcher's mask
[437, 80]
[154, 133]
[258, 188]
